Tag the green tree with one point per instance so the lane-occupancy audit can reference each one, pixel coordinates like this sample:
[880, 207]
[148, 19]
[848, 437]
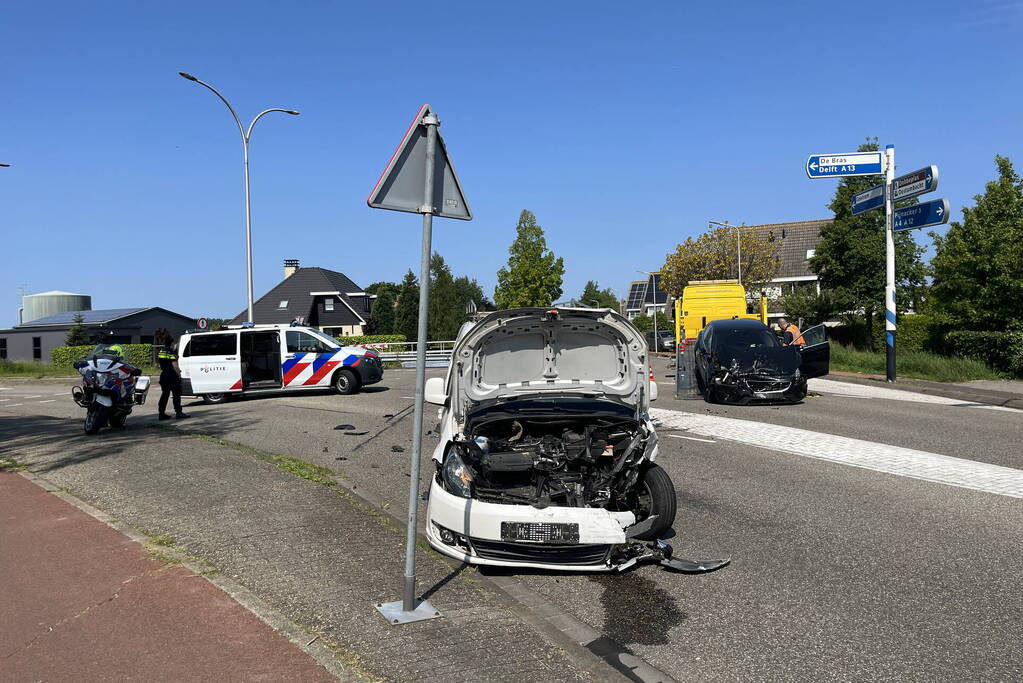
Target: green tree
[645, 323]
[714, 256]
[446, 311]
[595, 297]
[850, 257]
[978, 264]
[218, 323]
[469, 295]
[383, 312]
[378, 288]
[77, 335]
[406, 314]
[804, 303]
[533, 275]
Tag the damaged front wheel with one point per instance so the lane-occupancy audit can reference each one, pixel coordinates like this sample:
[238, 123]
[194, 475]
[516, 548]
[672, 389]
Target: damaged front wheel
[655, 495]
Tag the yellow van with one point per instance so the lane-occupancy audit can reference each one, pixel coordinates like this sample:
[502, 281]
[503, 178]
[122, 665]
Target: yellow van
[706, 300]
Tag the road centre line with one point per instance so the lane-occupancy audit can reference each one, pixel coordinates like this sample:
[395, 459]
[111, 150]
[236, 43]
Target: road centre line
[32, 396]
[691, 438]
[52, 400]
[12, 405]
[905, 462]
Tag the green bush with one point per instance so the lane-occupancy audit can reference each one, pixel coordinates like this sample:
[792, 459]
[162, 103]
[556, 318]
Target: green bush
[1001, 350]
[372, 339]
[912, 333]
[139, 355]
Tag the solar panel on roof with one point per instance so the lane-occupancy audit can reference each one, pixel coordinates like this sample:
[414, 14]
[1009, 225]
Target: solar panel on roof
[637, 293]
[88, 317]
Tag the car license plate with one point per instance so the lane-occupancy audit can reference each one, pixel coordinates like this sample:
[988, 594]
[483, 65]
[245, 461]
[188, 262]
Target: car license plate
[540, 532]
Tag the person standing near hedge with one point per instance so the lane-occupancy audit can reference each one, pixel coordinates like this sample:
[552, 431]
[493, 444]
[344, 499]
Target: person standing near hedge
[170, 378]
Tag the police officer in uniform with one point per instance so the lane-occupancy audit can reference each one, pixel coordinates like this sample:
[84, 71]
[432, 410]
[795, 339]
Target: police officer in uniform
[170, 379]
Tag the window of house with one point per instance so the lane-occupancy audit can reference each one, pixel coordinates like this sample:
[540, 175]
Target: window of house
[37, 348]
[283, 303]
[3, 348]
[810, 253]
[212, 345]
[328, 305]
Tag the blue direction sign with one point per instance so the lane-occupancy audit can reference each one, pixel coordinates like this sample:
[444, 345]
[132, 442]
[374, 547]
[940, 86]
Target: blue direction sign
[868, 199]
[916, 183]
[921, 215]
[851, 164]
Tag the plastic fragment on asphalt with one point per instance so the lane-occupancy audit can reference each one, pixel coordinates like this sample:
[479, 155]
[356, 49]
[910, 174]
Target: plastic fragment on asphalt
[355, 433]
[397, 449]
[345, 427]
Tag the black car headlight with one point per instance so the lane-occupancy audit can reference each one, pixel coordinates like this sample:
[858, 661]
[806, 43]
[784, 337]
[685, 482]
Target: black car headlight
[457, 475]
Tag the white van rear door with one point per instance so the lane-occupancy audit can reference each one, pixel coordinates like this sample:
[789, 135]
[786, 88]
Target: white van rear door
[210, 361]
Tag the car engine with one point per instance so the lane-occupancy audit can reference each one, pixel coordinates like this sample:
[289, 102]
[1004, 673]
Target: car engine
[562, 462]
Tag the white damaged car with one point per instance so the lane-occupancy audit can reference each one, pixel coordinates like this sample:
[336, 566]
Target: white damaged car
[547, 454]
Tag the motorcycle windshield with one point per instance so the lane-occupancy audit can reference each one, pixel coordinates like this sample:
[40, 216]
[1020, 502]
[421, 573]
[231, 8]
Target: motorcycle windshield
[104, 351]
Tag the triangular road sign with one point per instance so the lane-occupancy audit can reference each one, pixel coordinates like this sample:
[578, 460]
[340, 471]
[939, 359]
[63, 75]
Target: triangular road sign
[402, 184]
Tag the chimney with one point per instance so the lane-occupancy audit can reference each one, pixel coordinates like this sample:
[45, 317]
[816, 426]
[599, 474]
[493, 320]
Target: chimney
[290, 266]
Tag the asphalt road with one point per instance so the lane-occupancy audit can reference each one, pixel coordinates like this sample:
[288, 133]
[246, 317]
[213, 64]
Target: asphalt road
[838, 572]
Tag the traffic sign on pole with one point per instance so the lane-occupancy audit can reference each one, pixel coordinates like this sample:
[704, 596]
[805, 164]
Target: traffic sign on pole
[400, 187]
[868, 199]
[202, 323]
[921, 215]
[840, 165]
[916, 183]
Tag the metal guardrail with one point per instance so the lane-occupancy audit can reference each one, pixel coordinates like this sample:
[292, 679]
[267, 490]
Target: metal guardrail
[438, 353]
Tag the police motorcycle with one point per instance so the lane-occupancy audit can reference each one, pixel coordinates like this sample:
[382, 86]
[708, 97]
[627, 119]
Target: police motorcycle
[110, 387]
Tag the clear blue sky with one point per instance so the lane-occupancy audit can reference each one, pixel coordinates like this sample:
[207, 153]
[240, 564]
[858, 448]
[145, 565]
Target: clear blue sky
[624, 126]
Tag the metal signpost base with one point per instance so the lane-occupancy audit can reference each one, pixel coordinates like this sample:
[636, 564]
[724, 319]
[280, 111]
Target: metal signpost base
[396, 614]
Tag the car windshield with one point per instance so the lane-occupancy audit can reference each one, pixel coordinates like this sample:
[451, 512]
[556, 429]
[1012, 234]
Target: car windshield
[741, 343]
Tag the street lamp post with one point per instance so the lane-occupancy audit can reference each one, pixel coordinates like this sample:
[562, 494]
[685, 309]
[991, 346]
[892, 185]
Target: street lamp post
[246, 134]
[738, 244]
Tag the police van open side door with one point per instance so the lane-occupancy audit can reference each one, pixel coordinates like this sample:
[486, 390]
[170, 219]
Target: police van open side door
[210, 363]
[816, 352]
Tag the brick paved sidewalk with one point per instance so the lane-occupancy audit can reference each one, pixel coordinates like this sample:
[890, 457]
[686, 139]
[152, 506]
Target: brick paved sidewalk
[81, 601]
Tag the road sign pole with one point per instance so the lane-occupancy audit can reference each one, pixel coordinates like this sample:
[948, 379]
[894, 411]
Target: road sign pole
[408, 604]
[889, 290]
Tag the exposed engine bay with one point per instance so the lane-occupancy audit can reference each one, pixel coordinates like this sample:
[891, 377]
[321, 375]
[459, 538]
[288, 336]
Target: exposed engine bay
[565, 462]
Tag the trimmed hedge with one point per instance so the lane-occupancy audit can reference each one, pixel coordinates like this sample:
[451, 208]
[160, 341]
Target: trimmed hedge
[1001, 350]
[372, 339]
[912, 333]
[139, 355]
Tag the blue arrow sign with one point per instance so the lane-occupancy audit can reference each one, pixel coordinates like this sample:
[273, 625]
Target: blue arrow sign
[921, 215]
[851, 164]
[868, 199]
[916, 183]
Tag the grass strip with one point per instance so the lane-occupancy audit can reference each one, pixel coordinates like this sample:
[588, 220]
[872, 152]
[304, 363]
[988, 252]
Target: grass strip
[913, 364]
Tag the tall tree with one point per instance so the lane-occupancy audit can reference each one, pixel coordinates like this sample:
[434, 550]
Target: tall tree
[978, 264]
[406, 314]
[470, 296]
[379, 287]
[533, 275]
[850, 257]
[595, 297]
[445, 309]
[77, 334]
[383, 312]
[714, 256]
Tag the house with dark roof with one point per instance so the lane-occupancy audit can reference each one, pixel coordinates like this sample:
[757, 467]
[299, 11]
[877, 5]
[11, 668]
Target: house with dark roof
[35, 339]
[320, 298]
[646, 296]
[796, 243]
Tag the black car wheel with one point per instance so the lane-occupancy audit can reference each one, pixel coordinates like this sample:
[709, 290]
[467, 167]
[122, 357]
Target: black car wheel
[214, 398]
[655, 495]
[345, 382]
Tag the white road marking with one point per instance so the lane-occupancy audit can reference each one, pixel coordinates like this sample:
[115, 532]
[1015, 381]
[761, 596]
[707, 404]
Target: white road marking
[691, 438]
[905, 462]
[834, 388]
[13, 405]
[32, 396]
[5, 399]
[52, 400]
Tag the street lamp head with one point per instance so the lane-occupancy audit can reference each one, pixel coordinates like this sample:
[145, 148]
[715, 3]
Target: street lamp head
[5, 165]
[188, 76]
[291, 111]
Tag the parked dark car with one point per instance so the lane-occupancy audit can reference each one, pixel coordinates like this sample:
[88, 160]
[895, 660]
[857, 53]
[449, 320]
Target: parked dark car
[742, 361]
[665, 340]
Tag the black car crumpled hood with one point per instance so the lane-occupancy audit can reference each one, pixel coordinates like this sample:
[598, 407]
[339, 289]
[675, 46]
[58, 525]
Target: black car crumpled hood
[781, 361]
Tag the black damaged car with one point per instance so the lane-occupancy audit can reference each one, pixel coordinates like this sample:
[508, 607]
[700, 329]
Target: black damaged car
[742, 361]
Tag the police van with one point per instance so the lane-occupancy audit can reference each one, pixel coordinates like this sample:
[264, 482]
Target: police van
[254, 359]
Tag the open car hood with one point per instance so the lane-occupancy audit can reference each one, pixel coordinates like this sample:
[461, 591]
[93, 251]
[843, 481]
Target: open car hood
[523, 352]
